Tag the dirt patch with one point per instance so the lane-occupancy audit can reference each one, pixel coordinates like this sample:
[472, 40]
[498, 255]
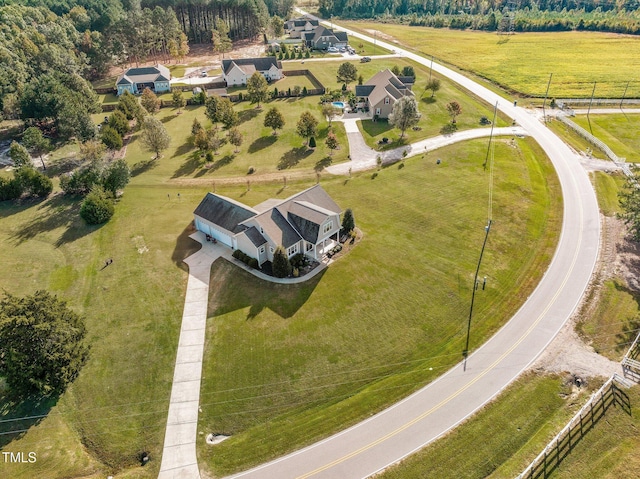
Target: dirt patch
[383, 36]
[568, 352]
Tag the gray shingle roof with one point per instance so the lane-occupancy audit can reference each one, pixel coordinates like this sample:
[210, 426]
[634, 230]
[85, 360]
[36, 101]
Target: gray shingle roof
[261, 64]
[277, 228]
[254, 235]
[144, 75]
[342, 36]
[364, 90]
[224, 212]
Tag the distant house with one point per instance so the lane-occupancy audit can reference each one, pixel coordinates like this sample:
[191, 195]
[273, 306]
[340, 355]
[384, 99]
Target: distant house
[296, 26]
[238, 71]
[322, 38]
[135, 80]
[380, 93]
[307, 222]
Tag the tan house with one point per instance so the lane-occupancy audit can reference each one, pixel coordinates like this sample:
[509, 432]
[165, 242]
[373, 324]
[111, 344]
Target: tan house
[381, 92]
[307, 222]
[238, 71]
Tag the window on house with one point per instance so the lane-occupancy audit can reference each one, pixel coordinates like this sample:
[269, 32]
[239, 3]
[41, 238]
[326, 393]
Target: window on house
[271, 250]
[261, 249]
[386, 101]
[327, 227]
[309, 246]
[261, 230]
[377, 111]
[292, 250]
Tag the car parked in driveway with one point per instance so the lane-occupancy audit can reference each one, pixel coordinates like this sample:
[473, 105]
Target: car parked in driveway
[332, 50]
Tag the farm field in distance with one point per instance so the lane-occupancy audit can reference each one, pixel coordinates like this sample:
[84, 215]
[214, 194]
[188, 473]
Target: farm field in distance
[522, 62]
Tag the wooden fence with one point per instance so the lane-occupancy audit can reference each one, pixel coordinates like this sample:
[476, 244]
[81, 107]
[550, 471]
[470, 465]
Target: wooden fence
[631, 361]
[561, 445]
[312, 77]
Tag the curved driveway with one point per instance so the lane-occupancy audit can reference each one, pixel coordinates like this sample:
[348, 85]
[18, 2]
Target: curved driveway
[407, 426]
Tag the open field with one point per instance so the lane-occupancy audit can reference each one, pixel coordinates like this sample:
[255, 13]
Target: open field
[523, 62]
[287, 365]
[575, 141]
[607, 187]
[618, 131]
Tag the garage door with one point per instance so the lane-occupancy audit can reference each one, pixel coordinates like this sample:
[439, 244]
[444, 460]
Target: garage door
[215, 233]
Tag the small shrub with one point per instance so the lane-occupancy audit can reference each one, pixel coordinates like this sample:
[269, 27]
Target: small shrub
[10, 189]
[298, 260]
[253, 263]
[312, 142]
[237, 254]
[251, 170]
[97, 207]
[209, 156]
[239, 96]
[295, 273]
[374, 176]
[401, 165]
[304, 91]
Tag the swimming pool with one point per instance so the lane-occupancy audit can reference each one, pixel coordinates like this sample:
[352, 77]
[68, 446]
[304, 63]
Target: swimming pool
[339, 104]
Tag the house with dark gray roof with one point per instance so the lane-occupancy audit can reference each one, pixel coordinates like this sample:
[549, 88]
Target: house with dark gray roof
[296, 26]
[321, 38]
[381, 92]
[307, 222]
[135, 80]
[238, 71]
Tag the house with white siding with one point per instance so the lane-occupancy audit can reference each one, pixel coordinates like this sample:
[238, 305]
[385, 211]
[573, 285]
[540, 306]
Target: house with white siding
[296, 26]
[307, 222]
[381, 92]
[238, 71]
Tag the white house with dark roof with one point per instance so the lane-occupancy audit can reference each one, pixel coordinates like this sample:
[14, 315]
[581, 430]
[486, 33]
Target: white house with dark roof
[307, 222]
[296, 26]
[135, 80]
[238, 71]
[321, 38]
[380, 93]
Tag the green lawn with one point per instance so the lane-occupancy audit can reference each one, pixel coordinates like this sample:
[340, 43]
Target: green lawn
[576, 141]
[618, 131]
[607, 187]
[288, 365]
[523, 62]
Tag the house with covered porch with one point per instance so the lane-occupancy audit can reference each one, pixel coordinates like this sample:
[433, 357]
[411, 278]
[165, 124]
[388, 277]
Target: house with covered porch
[307, 222]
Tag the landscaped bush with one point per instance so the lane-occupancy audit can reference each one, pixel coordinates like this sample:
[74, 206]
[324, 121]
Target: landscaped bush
[80, 181]
[253, 263]
[251, 170]
[312, 142]
[298, 261]
[33, 182]
[281, 265]
[10, 189]
[97, 207]
[246, 259]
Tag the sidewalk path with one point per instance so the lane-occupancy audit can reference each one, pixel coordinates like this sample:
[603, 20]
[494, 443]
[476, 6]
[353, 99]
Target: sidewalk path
[364, 157]
[179, 459]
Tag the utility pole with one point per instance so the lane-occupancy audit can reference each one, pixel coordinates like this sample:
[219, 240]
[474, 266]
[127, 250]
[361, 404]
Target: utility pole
[544, 113]
[495, 112]
[624, 94]
[593, 92]
[431, 68]
[465, 352]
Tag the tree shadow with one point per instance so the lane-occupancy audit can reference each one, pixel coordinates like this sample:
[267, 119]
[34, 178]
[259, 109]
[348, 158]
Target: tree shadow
[143, 166]
[185, 247]
[248, 115]
[63, 165]
[448, 129]
[292, 157]
[58, 212]
[375, 128]
[283, 299]
[10, 208]
[224, 161]
[192, 163]
[261, 143]
[428, 100]
[17, 415]
[323, 163]
[182, 150]
[167, 119]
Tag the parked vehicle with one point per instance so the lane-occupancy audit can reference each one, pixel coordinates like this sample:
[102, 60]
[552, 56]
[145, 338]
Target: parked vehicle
[332, 50]
[365, 59]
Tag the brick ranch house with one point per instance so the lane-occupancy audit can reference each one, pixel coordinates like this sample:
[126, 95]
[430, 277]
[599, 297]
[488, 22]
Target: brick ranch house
[307, 222]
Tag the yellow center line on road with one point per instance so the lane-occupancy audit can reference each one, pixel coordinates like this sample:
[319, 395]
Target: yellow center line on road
[470, 383]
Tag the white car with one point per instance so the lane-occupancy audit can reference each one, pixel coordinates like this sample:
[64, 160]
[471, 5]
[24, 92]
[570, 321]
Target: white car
[332, 50]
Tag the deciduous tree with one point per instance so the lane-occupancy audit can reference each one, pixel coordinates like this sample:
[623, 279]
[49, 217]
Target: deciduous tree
[307, 125]
[116, 176]
[347, 73]
[235, 138]
[35, 142]
[274, 119]
[257, 88]
[42, 344]
[405, 114]
[19, 155]
[179, 101]
[331, 142]
[150, 101]
[154, 136]
[454, 109]
[433, 85]
[97, 207]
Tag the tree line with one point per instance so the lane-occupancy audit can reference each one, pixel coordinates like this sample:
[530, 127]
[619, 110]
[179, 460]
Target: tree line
[622, 16]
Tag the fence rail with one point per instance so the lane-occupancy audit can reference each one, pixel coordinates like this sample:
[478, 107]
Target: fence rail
[596, 142]
[585, 419]
[596, 102]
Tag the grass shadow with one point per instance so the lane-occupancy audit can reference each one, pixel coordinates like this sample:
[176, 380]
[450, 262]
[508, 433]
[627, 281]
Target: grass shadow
[323, 163]
[17, 416]
[58, 212]
[63, 165]
[224, 161]
[142, 166]
[375, 128]
[185, 247]
[257, 294]
[10, 208]
[192, 163]
[168, 118]
[292, 157]
[248, 115]
[261, 143]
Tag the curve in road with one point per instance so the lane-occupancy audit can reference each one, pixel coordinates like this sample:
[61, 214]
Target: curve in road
[391, 435]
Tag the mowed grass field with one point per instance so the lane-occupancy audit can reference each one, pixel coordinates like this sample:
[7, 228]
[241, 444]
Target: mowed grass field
[288, 365]
[618, 131]
[523, 62]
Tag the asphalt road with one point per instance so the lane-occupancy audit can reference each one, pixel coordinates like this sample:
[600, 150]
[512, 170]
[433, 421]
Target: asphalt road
[407, 426]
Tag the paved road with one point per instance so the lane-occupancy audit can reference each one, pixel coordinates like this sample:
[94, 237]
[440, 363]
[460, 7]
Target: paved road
[407, 426]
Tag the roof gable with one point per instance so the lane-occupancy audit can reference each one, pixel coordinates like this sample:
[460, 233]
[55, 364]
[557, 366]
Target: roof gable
[261, 64]
[224, 212]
